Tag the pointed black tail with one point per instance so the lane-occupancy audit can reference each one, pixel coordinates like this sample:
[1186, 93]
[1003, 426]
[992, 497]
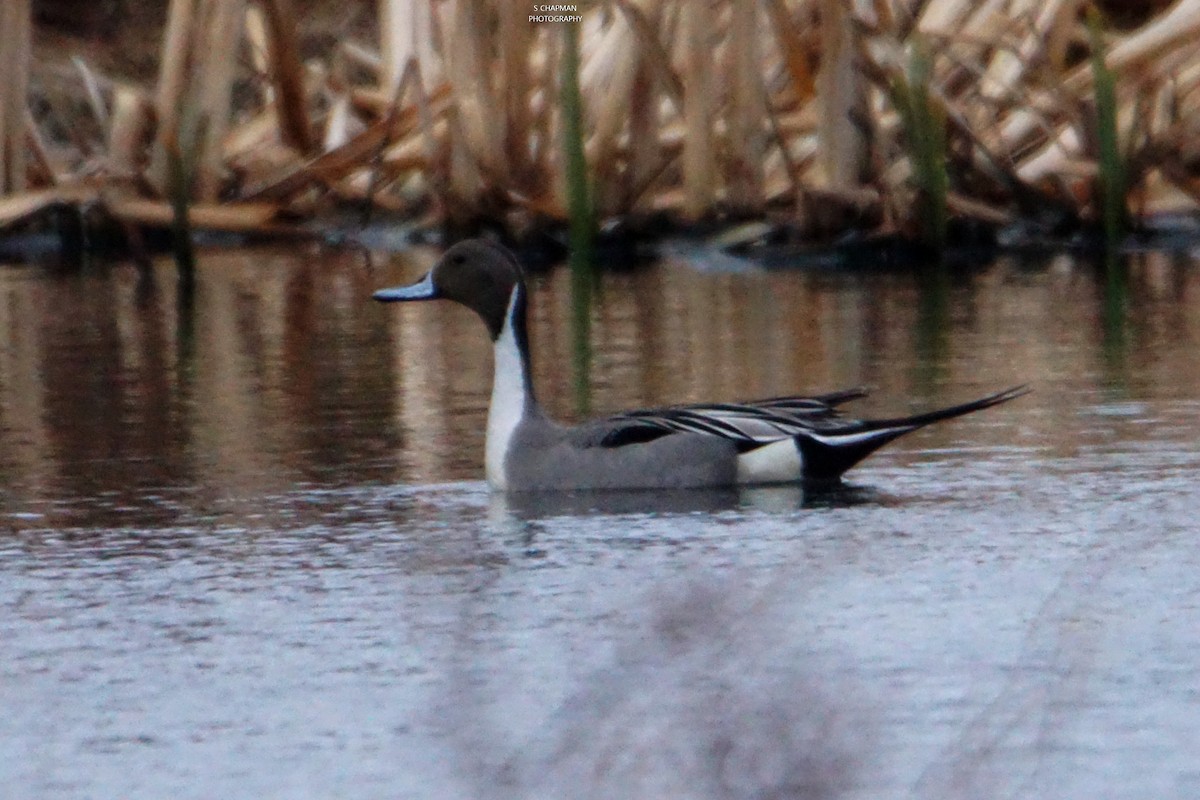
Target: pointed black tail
[828, 454]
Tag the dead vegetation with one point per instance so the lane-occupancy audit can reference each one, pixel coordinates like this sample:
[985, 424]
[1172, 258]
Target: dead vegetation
[886, 114]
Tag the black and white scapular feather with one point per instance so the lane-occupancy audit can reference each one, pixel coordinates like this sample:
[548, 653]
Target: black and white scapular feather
[828, 442]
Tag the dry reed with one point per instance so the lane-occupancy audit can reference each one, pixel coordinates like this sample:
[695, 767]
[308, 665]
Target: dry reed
[693, 108]
[15, 23]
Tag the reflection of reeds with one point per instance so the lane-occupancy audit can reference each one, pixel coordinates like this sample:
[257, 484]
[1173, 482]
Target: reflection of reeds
[690, 108]
[580, 204]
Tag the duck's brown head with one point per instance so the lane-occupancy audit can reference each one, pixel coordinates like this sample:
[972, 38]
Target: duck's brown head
[477, 273]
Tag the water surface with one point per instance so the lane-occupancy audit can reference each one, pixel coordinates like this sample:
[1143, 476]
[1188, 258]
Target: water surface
[245, 549]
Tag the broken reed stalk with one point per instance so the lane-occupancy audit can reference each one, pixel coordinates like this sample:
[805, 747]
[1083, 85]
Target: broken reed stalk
[923, 119]
[699, 107]
[172, 83]
[748, 112]
[412, 75]
[287, 74]
[612, 63]
[181, 161]
[579, 200]
[406, 31]
[200, 53]
[795, 54]
[16, 26]
[843, 146]
[1111, 176]
[129, 130]
[516, 41]
[217, 47]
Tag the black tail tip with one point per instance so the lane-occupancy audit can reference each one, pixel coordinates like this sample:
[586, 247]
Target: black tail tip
[1011, 393]
[826, 458]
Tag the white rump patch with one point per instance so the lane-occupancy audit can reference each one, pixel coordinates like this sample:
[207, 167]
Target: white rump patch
[508, 400]
[778, 462]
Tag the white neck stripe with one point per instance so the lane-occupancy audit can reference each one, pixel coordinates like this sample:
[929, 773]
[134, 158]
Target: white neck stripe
[509, 397]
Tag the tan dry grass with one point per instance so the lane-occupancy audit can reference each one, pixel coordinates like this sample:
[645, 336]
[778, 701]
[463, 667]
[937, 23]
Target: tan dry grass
[16, 24]
[691, 106]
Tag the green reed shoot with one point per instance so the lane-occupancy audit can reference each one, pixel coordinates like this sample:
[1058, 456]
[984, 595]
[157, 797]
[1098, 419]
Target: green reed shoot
[923, 118]
[1111, 183]
[181, 160]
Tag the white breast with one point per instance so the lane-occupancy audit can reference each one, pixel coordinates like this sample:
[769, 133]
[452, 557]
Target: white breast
[508, 400]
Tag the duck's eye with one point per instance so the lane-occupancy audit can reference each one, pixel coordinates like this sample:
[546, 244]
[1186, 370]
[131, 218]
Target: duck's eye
[458, 260]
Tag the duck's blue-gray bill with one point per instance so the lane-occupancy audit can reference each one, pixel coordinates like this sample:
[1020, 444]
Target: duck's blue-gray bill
[422, 290]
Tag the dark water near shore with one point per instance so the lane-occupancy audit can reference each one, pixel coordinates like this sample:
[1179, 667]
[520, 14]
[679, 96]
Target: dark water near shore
[245, 549]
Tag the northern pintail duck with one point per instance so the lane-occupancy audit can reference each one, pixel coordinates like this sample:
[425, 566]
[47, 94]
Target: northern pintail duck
[778, 440]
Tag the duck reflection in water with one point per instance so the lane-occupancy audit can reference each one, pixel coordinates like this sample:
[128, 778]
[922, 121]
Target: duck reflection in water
[772, 499]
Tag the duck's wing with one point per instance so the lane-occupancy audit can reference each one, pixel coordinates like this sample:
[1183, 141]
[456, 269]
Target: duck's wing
[831, 443]
[749, 425]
